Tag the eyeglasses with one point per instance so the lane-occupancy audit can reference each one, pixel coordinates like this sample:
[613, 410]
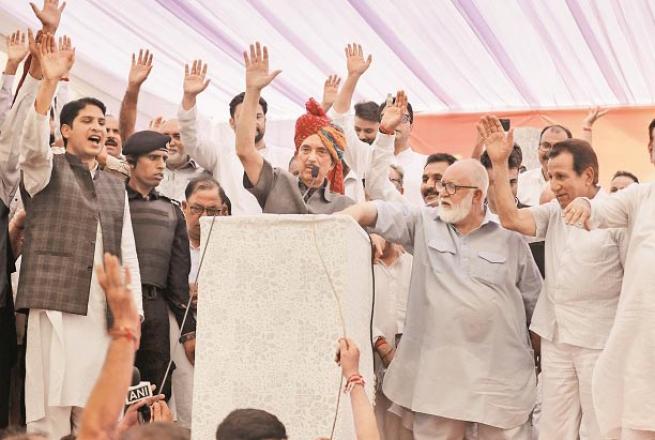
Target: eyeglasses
[211, 212]
[450, 188]
[546, 146]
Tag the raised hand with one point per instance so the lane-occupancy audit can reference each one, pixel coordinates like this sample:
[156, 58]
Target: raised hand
[50, 15]
[593, 115]
[257, 74]
[56, 61]
[116, 284]
[499, 145]
[194, 78]
[355, 61]
[140, 68]
[157, 123]
[17, 50]
[394, 111]
[330, 91]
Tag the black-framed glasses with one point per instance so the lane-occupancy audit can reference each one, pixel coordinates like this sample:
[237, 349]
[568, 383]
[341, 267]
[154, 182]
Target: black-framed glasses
[450, 188]
[211, 212]
[546, 146]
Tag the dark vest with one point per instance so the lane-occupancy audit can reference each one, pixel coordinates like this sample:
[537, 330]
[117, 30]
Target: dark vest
[154, 223]
[60, 235]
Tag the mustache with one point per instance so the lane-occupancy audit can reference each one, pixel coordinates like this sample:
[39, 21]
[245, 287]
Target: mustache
[431, 192]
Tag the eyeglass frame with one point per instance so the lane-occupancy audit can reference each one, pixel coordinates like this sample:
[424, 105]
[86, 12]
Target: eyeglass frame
[201, 210]
[441, 187]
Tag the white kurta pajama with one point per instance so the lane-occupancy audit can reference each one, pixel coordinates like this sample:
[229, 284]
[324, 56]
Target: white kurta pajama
[574, 316]
[623, 385]
[465, 353]
[65, 352]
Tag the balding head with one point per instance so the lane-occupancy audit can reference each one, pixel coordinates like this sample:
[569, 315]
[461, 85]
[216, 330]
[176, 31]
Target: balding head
[468, 172]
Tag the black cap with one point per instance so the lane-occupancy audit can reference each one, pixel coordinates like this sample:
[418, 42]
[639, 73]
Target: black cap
[143, 142]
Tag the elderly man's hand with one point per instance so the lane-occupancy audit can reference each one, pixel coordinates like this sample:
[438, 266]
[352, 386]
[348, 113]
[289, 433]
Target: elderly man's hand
[577, 213]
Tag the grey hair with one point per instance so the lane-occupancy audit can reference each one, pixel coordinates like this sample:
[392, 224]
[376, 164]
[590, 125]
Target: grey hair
[399, 170]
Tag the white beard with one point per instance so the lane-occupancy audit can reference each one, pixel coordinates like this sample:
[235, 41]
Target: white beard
[457, 213]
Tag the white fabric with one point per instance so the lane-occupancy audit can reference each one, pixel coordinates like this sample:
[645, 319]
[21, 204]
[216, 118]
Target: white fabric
[391, 291]
[174, 183]
[413, 164]
[182, 377]
[584, 272]
[357, 153]
[378, 185]
[277, 156]
[277, 352]
[567, 407]
[220, 158]
[195, 263]
[623, 387]
[531, 185]
[58, 422]
[429, 427]
[6, 95]
[353, 187]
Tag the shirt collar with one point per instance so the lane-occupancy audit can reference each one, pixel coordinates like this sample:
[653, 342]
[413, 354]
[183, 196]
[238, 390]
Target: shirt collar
[135, 195]
[326, 195]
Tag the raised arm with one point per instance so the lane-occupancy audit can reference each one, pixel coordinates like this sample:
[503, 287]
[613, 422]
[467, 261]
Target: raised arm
[378, 185]
[357, 65]
[17, 51]
[105, 403]
[330, 90]
[257, 77]
[363, 415]
[139, 71]
[197, 145]
[593, 115]
[49, 15]
[499, 147]
[36, 155]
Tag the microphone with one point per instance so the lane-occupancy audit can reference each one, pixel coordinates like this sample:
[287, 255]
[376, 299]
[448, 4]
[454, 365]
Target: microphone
[137, 392]
[315, 170]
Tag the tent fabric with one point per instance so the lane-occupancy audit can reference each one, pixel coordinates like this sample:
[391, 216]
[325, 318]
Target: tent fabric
[449, 55]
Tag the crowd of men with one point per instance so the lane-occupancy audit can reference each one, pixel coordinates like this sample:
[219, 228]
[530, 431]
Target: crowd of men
[509, 305]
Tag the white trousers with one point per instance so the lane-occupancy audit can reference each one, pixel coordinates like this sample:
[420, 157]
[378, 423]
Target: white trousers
[181, 401]
[429, 427]
[567, 407]
[59, 421]
[390, 424]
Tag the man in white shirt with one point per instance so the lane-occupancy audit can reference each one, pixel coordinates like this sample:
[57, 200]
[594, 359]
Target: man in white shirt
[465, 356]
[358, 153]
[623, 387]
[222, 160]
[584, 272]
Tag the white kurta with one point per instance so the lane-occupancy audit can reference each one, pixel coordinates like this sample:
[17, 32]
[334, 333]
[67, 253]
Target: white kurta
[623, 385]
[531, 185]
[65, 352]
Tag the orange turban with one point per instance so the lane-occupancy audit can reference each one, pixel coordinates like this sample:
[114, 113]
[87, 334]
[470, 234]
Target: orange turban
[315, 121]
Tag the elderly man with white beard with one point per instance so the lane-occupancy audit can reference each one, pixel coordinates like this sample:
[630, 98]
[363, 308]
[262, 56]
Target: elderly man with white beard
[465, 357]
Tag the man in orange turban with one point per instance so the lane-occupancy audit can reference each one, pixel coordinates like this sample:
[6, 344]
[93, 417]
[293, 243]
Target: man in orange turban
[319, 186]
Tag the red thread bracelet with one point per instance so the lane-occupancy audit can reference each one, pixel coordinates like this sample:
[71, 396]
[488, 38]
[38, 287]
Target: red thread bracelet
[125, 332]
[355, 379]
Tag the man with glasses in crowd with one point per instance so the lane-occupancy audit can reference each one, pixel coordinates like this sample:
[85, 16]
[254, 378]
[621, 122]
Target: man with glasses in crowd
[472, 293]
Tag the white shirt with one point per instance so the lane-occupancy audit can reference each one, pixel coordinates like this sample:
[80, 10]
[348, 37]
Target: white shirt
[623, 385]
[224, 164]
[531, 185]
[353, 187]
[391, 292]
[413, 164]
[584, 272]
[174, 183]
[358, 153]
[378, 185]
[277, 156]
[6, 95]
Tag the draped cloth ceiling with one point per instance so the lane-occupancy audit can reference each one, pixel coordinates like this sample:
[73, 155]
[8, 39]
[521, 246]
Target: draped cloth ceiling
[449, 55]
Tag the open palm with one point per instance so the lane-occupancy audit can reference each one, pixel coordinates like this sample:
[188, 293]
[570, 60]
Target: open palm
[394, 110]
[499, 145]
[50, 15]
[257, 74]
[194, 78]
[16, 47]
[140, 68]
[56, 61]
[355, 61]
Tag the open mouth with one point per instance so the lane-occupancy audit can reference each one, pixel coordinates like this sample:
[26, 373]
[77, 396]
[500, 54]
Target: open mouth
[95, 139]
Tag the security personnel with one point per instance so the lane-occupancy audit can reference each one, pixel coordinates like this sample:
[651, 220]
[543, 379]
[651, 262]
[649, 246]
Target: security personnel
[162, 246]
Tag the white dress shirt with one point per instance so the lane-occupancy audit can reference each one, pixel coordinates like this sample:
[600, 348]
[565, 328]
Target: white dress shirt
[354, 187]
[413, 164]
[623, 385]
[56, 372]
[6, 95]
[531, 185]
[391, 292]
[174, 183]
[584, 272]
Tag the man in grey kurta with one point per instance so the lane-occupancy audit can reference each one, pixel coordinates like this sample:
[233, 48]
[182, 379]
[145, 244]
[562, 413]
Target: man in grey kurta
[465, 355]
